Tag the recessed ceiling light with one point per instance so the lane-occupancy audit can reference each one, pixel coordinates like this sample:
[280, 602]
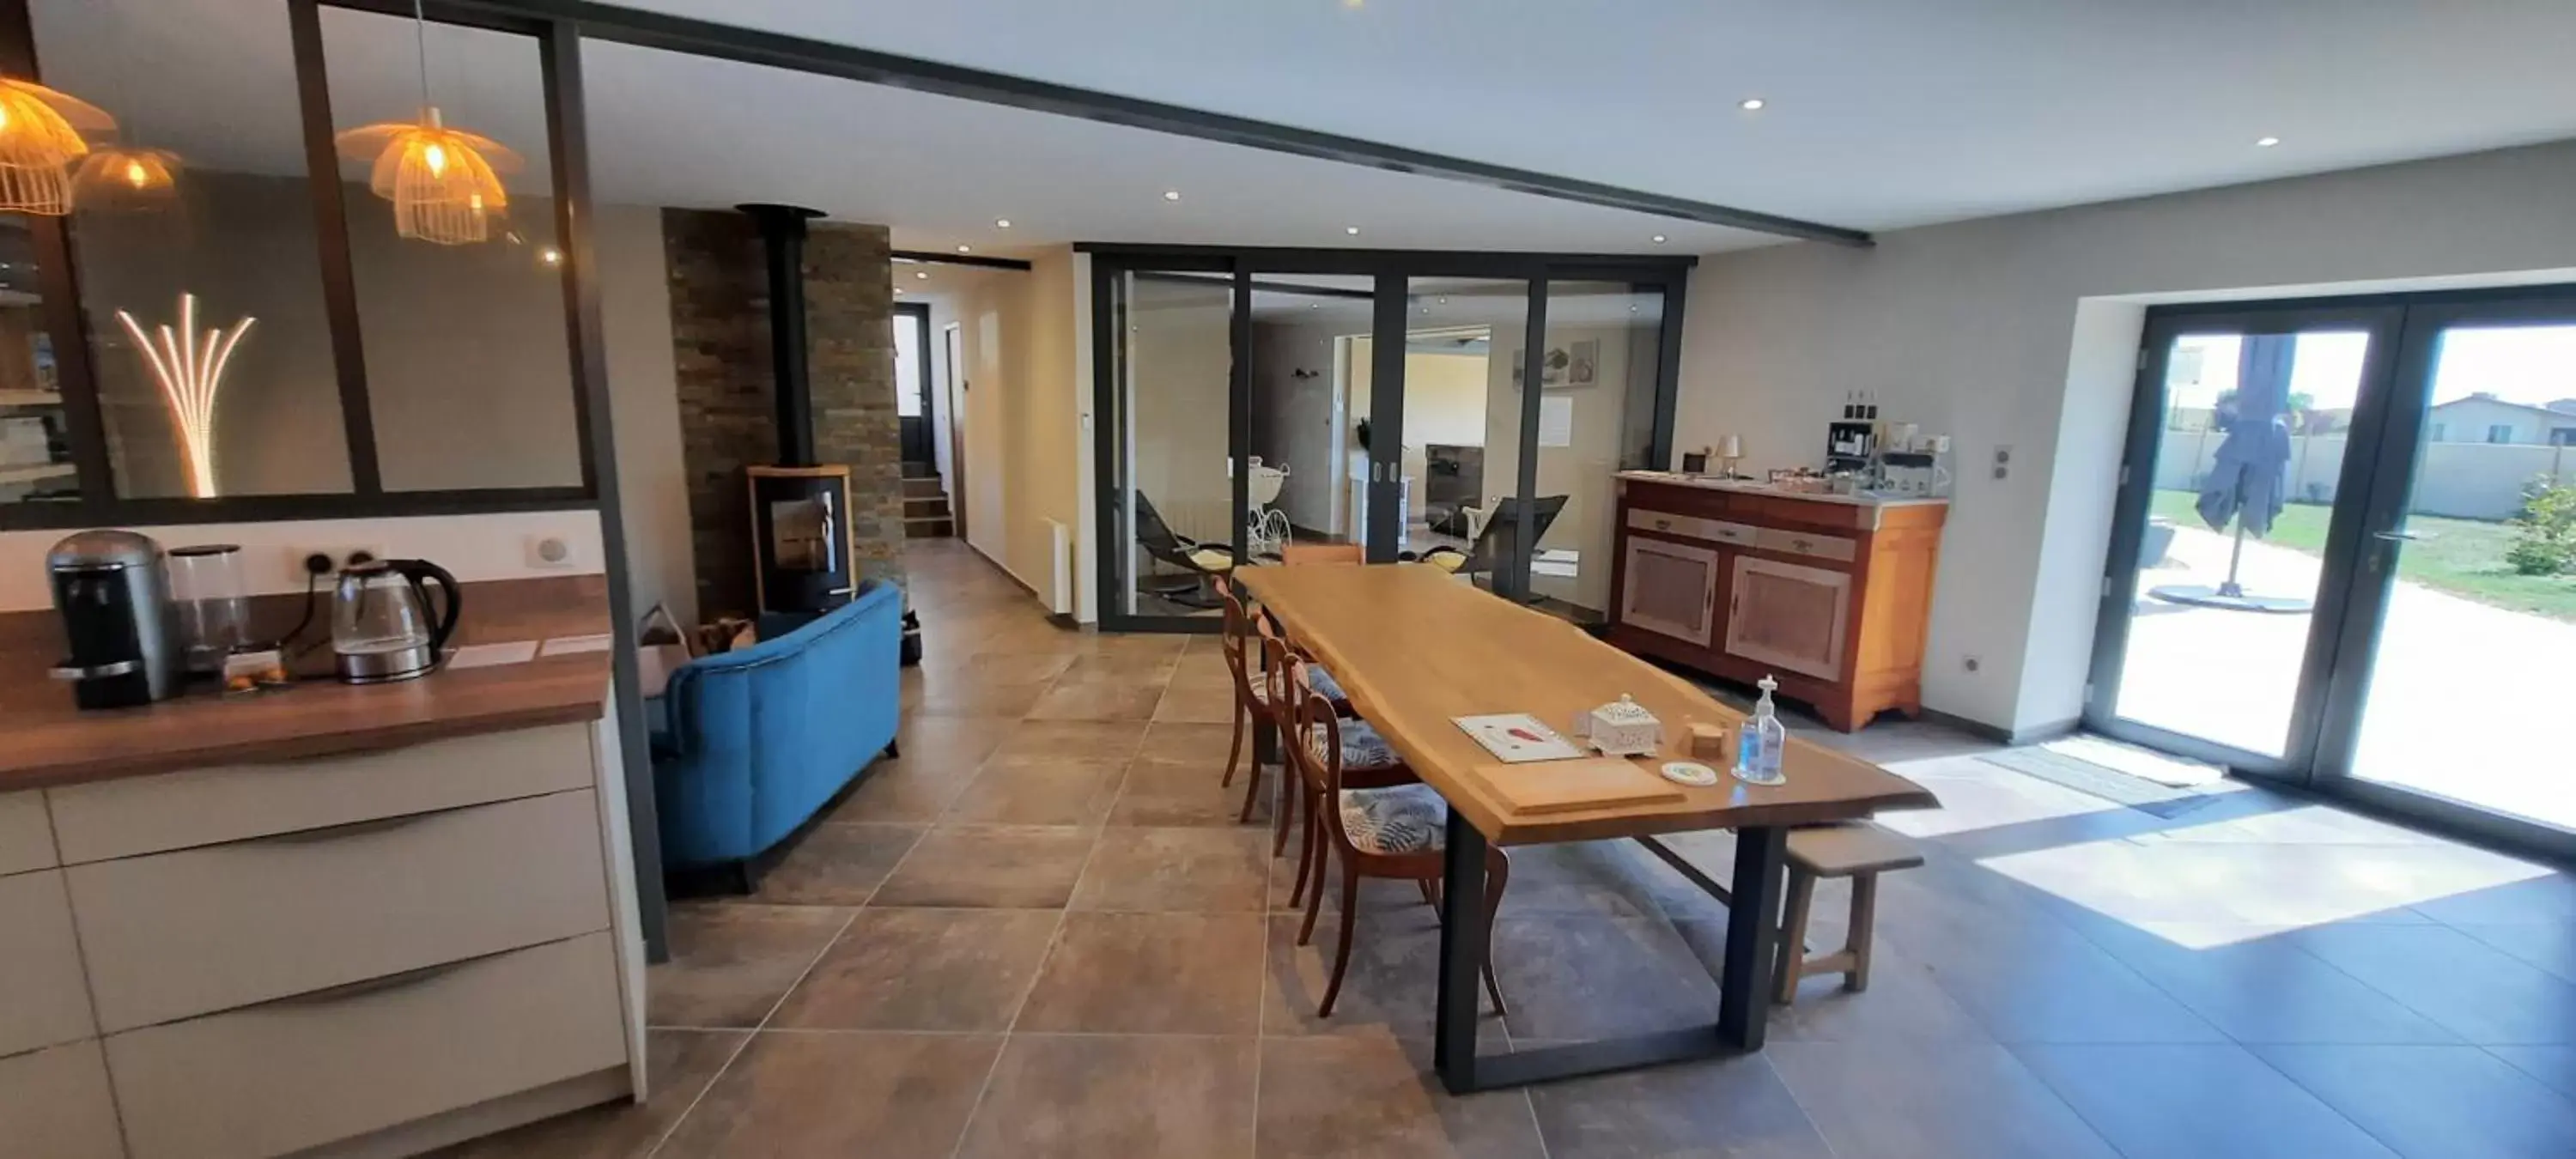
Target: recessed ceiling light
[1752, 104]
[551, 255]
[1659, 239]
[965, 249]
[1352, 230]
[2266, 142]
[1444, 301]
[1171, 195]
[924, 275]
[1314, 305]
[898, 291]
[1001, 223]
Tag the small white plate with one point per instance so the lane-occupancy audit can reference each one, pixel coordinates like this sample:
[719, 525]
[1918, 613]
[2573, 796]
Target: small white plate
[1689, 773]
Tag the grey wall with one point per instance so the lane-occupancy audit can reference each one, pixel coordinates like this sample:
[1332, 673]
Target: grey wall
[2021, 332]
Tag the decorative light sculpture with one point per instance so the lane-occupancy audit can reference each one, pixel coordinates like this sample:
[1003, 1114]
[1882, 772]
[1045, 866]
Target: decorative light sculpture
[40, 138]
[445, 183]
[190, 370]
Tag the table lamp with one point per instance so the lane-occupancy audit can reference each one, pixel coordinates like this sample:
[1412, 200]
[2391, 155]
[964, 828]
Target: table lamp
[1730, 448]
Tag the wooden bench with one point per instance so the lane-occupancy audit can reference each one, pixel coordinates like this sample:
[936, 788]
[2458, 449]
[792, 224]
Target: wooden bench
[1860, 852]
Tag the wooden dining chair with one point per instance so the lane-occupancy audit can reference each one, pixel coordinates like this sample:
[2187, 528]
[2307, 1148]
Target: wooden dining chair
[1378, 822]
[1301, 553]
[1255, 653]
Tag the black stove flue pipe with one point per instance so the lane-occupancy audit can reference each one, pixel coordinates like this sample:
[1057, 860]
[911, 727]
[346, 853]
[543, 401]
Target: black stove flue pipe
[782, 238]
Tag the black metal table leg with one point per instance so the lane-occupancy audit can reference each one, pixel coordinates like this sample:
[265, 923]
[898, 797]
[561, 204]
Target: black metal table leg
[1752, 936]
[1744, 986]
[1462, 955]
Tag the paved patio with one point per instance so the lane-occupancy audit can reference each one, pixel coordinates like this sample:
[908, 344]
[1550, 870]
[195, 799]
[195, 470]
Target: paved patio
[2466, 701]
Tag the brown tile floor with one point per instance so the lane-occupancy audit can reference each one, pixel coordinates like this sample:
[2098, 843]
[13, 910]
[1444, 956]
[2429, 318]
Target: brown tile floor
[1041, 933]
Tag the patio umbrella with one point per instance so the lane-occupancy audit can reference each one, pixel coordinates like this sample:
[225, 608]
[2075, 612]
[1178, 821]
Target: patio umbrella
[2249, 478]
[2251, 471]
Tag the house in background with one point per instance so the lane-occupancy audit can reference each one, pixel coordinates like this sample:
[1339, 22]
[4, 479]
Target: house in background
[2484, 418]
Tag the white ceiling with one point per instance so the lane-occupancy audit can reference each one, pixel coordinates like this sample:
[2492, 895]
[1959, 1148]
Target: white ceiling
[1883, 113]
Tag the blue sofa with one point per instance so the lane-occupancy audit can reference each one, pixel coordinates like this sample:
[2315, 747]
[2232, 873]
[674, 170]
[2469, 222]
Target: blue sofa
[754, 741]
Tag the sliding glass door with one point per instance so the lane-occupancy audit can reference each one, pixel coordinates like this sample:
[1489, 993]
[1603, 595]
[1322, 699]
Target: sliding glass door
[2345, 553]
[1252, 405]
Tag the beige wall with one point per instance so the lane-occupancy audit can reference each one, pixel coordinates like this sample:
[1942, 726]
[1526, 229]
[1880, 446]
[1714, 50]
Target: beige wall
[1022, 347]
[2020, 332]
[635, 321]
[1179, 357]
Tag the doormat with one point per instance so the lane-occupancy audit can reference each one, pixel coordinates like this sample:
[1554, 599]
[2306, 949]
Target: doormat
[2170, 771]
[2110, 784]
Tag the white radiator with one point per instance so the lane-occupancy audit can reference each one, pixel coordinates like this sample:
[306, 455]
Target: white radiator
[1059, 593]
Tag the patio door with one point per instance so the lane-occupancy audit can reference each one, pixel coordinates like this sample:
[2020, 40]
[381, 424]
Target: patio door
[2345, 554]
[2462, 631]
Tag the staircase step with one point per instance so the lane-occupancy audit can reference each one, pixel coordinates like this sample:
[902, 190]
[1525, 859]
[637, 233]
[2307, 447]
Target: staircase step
[920, 488]
[935, 506]
[932, 528]
[912, 470]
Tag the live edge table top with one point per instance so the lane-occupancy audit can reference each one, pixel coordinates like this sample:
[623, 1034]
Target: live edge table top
[1414, 648]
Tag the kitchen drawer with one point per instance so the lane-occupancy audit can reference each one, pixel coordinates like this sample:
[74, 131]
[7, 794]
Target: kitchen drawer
[311, 1070]
[26, 837]
[176, 935]
[54, 1104]
[1691, 527]
[43, 1001]
[1808, 543]
[136, 815]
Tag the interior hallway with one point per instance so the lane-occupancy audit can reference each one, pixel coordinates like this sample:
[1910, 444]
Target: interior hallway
[1040, 932]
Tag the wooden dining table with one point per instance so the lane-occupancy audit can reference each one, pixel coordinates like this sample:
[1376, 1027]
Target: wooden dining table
[1415, 648]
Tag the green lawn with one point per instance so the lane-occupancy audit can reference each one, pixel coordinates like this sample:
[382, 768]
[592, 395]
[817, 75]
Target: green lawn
[2464, 557]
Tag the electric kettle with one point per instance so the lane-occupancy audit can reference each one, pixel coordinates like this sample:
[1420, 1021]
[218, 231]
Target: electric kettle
[380, 624]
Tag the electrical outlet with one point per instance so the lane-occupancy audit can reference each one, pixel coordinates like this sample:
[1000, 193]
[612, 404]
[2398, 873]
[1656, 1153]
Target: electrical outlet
[341, 555]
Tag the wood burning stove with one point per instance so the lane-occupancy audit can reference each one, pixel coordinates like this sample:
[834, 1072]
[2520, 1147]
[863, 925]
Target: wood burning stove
[800, 510]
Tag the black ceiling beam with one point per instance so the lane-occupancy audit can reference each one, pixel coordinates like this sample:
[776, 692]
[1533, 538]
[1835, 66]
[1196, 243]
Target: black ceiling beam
[933, 257]
[1259, 286]
[803, 54]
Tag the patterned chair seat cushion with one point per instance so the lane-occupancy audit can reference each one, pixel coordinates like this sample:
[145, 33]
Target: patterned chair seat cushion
[1362, 748]
[1403, 819]
[1321, 680]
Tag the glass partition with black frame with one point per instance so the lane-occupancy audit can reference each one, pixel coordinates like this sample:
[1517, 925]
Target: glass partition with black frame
[2346, 548]
[1250, 404]
[233, 322]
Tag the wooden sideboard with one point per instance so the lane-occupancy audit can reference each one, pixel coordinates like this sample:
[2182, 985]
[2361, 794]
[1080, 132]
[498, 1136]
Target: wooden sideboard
[1829, 595]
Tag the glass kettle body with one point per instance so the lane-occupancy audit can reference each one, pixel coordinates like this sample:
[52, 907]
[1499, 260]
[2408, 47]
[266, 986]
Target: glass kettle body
[381, 623]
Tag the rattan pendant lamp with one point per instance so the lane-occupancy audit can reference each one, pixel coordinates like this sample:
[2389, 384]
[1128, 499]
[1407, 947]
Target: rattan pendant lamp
[40, 140]
[445, 183]
[121, 174]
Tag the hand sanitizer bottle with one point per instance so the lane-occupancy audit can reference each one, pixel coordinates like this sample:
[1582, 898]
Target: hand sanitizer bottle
[1759, 741]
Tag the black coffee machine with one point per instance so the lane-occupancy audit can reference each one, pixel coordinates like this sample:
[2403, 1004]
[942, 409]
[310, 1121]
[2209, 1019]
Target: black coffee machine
[114, 598]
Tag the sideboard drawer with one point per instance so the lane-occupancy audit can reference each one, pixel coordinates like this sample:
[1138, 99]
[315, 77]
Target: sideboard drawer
[26, 837]
[137, 815]
[43, 1001]
[1691, 527]
[176, 935]
[306, 1071]
[54, 1104]
[1808, 543]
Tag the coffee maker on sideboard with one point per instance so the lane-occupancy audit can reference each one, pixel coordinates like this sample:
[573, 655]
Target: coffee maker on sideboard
[120, 633]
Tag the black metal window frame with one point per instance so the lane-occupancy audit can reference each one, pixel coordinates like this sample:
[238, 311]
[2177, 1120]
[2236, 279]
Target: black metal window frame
[2354, 579]
[58, 275]
[1392, 270]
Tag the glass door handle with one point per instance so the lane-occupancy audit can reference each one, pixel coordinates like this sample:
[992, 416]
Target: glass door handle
[2399, 536]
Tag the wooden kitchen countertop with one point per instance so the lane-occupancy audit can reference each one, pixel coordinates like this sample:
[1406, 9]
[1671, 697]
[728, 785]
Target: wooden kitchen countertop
[45, 741]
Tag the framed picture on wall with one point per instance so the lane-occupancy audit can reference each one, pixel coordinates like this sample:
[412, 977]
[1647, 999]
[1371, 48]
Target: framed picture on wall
[1572, 366]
